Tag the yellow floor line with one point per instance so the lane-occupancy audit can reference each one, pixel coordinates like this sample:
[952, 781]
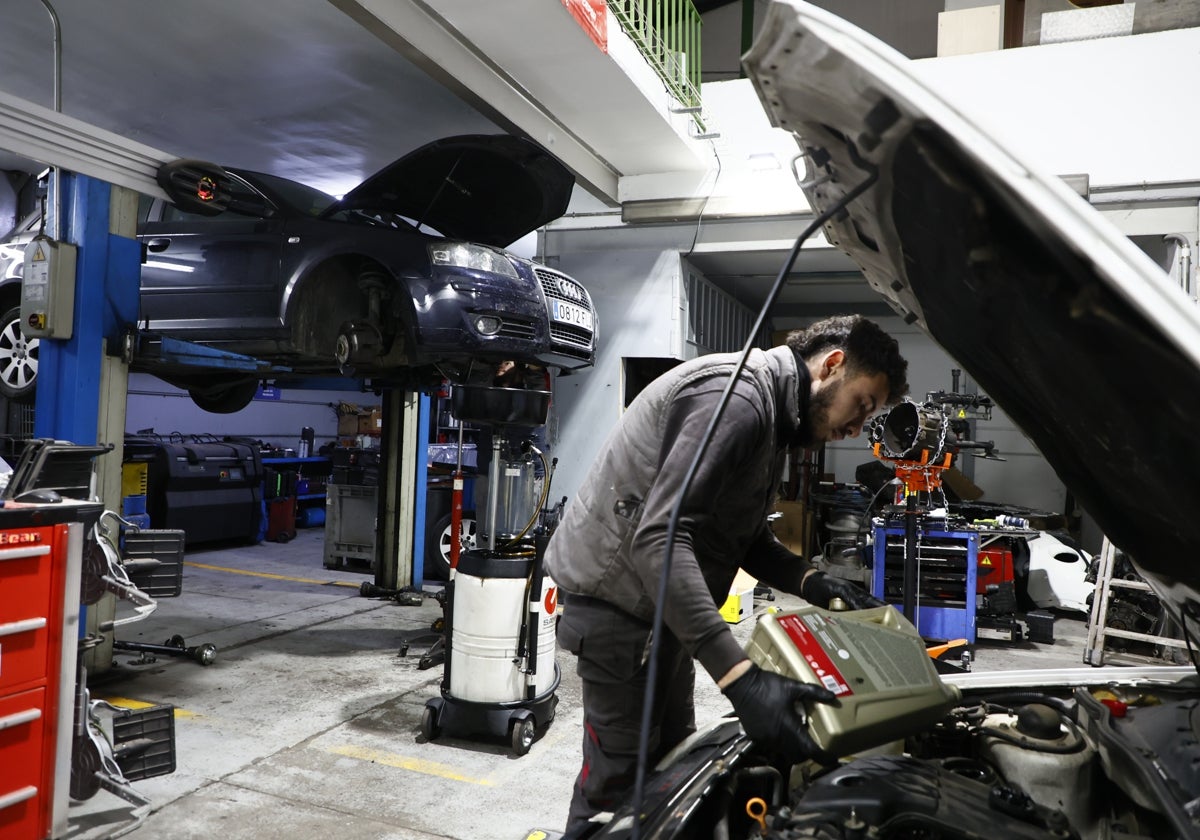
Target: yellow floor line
[429, 768]
[271, 576]
[127, 703]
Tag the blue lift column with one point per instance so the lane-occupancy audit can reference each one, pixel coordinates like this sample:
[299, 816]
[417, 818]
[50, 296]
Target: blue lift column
[70, 399]
[81, 389]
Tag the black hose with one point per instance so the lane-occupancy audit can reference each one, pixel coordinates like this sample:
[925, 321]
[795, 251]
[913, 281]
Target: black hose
[639, 787]
[1010, 698]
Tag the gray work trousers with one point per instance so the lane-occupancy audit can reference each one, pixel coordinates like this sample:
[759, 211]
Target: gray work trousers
[612, 649]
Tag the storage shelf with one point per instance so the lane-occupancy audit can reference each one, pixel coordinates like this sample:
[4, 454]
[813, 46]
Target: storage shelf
[309, 496]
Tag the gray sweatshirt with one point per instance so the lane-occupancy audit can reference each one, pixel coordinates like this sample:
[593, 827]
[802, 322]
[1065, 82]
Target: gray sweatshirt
[611, 542]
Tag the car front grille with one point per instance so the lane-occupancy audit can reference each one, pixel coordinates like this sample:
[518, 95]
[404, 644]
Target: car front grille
[568, 339]
[574, 336]
[553, 287]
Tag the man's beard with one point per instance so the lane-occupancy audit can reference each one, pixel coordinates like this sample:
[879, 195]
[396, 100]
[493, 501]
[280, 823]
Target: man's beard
[817, 417]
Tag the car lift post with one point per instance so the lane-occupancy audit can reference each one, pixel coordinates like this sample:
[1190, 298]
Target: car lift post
[81, 388]
[403, 472]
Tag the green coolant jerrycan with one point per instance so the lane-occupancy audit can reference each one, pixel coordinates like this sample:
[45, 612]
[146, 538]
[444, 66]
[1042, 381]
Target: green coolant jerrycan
[873, 660]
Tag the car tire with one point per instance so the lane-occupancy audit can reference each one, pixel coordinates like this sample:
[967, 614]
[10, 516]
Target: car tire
[437, 544]
[18, 359]
[226, 401]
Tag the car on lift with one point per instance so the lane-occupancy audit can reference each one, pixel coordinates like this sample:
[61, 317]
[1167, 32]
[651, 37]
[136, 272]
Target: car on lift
[1095, 353]
[404, 280]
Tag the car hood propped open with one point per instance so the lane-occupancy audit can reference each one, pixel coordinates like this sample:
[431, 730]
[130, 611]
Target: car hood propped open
[1063, 322]
[490, 189]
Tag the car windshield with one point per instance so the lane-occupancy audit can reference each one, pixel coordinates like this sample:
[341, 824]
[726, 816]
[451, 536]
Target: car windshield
[306, 199]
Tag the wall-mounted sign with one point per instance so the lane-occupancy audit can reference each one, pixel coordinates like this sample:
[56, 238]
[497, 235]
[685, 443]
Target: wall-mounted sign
[592, 15]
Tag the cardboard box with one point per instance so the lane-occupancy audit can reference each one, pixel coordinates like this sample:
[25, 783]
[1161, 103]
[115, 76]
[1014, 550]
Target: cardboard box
[347, 415]
[740, 604]
[370, 422]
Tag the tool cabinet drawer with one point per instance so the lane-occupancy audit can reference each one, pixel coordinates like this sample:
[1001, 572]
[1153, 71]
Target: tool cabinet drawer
[25, 582]
[23, 812]
[25, 611]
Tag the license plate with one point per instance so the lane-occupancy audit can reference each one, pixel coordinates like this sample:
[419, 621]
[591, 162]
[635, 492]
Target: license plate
[569, 313]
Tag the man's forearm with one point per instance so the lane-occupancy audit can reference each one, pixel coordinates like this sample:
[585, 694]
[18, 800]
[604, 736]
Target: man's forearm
[733, 673]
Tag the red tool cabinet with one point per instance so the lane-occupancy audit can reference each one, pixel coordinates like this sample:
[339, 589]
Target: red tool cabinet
[40, 560]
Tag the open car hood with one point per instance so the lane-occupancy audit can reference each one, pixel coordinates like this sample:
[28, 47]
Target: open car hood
[490, 189]
[1082, 339]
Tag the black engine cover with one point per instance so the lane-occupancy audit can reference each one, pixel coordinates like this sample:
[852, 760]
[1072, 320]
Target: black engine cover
[902, 797]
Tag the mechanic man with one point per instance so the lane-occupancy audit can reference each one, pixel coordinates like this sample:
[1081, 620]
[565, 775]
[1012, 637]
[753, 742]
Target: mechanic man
[607, 554]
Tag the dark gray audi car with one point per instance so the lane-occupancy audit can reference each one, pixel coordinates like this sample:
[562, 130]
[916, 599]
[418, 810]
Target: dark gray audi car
[1095, 353]
[404, 279]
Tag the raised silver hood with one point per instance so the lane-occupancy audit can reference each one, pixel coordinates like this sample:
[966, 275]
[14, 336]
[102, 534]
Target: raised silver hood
[1070, 328]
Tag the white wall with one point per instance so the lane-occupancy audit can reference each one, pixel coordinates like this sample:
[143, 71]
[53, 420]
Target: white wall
[1119, 109]
[636, 294]
[154, 404]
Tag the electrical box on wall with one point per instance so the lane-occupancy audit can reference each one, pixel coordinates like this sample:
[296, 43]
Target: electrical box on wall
[48, 289]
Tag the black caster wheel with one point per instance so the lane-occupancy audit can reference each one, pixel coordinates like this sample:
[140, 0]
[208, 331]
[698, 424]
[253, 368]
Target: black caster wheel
[176, 641]
[522, 736]
[429, 727]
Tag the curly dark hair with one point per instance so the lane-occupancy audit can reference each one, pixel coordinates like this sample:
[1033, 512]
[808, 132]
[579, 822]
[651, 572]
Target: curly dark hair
[868, 348]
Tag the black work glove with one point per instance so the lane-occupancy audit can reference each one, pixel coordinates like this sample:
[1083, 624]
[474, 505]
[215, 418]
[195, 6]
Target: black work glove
[819, 588]
[766, 704]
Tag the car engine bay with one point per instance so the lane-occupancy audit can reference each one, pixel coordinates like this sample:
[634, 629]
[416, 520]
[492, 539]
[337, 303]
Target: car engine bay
[1109, 762]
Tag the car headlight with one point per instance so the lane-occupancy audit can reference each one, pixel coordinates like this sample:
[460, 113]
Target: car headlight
[465, 255]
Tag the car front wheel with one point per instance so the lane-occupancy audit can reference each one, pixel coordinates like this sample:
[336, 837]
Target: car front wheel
[18, 359]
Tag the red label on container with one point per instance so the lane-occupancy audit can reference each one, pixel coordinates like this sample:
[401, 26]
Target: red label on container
[815, 655]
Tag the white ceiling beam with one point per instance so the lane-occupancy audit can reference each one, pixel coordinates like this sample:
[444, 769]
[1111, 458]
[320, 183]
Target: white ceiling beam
[424, 38]
[41, 134]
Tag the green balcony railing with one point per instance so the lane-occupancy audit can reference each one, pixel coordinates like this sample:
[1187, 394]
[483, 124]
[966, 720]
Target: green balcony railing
[667, 32]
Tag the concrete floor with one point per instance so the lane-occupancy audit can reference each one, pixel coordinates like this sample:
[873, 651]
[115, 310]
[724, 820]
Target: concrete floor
[308, 724]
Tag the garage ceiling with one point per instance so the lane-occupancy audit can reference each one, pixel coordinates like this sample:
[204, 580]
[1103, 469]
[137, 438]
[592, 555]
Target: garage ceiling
[293, 88]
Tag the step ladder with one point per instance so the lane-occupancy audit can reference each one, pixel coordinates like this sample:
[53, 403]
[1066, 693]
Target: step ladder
[1098, 630]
